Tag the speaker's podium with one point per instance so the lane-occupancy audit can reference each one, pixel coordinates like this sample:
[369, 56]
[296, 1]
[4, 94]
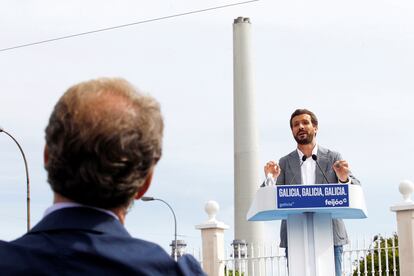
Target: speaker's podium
[309, 210]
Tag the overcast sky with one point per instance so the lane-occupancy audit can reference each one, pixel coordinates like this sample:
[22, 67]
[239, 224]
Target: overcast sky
[351, 62]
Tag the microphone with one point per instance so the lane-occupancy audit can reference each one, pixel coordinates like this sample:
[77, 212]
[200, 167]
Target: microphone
[314, 157]
[303, 161]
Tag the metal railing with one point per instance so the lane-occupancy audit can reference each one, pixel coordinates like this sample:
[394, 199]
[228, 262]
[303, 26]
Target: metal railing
[255, 260]
[377, 256]
[372, 257]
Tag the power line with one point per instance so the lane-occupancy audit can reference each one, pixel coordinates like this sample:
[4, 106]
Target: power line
[125, 25]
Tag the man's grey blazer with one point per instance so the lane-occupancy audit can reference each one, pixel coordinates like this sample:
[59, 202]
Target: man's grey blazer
[290, 166]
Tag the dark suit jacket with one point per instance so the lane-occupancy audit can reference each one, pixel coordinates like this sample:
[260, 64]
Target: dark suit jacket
[84, 241]
[290, 165]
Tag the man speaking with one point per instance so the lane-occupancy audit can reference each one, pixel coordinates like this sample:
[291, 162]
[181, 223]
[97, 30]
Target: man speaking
[310, 163]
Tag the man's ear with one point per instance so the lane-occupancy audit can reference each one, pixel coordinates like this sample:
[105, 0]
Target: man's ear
[45, 155]
[143, 189]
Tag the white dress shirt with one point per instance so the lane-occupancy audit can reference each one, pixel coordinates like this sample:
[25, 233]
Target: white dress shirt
[62, 205]
[308, 168]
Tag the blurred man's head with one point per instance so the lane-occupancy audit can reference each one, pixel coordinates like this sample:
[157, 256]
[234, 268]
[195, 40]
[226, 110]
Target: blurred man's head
[304, 126]
[102, 142]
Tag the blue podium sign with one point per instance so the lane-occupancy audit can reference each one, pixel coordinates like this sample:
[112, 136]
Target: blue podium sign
[312, 196]
[309, 210]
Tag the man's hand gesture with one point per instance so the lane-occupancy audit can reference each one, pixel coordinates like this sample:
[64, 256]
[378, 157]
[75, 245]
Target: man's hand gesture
[341, 169]
[273, 168]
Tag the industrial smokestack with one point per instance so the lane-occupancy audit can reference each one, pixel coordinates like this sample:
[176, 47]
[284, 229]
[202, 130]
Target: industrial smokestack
[246, 147]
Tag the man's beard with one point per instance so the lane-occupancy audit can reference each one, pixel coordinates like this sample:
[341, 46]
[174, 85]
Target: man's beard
[304, 141]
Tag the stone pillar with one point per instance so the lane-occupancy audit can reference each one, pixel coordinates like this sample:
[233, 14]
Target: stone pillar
[212, 234]
[405, 228]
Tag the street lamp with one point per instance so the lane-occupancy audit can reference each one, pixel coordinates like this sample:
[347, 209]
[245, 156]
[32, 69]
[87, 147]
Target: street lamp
[150, 198]
[27, 178]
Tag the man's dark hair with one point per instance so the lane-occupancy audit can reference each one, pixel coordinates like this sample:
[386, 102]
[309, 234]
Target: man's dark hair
[297, 112]
[103, 138]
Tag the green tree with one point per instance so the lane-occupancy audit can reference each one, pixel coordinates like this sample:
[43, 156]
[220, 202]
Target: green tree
[372, 256]
[230, 273]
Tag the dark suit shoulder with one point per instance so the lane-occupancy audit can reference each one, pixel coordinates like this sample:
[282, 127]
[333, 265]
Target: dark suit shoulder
[88, 253]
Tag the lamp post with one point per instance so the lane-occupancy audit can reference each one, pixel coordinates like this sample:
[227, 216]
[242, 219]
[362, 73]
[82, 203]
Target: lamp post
[27, 178]
[149, 198]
